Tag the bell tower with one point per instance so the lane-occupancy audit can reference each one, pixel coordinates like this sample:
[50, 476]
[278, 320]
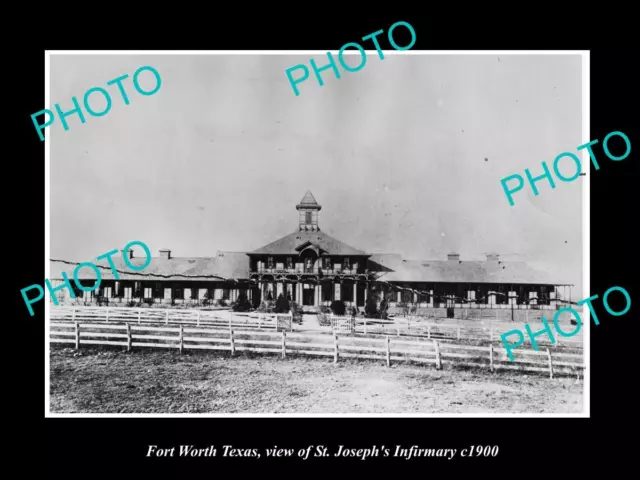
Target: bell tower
[308, 208]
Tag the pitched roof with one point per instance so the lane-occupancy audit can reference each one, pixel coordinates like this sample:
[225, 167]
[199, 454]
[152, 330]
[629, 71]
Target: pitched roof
[394, 268]
[287, 245]
[308, 199]
[235, 265]
[232, 265]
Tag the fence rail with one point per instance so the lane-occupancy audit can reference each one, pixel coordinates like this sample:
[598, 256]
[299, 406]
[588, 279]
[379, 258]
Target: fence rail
[387, 349]
[216, 318]
[411, 326]
[418, 327]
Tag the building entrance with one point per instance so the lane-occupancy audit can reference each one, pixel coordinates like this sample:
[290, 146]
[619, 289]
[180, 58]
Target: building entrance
[308, 296]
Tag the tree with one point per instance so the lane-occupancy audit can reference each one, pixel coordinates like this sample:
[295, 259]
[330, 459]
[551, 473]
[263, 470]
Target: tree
[371, 307]
[207, 297]
[255, 300]
[338, 307]
[384, 307]
[242, 304]
[282, 305]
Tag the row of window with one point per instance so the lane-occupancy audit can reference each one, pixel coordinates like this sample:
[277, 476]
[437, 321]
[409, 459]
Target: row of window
[326, 263]
[157, 291]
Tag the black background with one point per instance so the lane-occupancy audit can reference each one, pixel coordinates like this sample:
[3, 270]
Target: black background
[117, 446]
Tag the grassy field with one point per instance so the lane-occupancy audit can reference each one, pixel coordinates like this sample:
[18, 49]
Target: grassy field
[103, 381]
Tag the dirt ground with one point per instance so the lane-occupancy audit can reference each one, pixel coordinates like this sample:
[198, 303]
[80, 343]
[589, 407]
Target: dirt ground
[100, 381]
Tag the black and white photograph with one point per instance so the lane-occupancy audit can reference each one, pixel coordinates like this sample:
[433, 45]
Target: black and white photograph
[223, 240]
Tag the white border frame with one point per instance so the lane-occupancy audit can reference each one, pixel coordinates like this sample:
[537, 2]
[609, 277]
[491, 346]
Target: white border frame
[586, 229]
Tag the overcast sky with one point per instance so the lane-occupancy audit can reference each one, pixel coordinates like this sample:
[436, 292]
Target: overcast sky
[405, 156]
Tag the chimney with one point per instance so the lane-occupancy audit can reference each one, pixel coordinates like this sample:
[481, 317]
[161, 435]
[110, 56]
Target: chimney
[122, 252]
[165, 253]
[453, 256]
[493, 257]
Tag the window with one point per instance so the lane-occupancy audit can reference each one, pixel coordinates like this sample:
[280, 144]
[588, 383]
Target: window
[148, 293]
[269, 262]
[307, 216]
[327, 262]
[346, 264]
[289, 262]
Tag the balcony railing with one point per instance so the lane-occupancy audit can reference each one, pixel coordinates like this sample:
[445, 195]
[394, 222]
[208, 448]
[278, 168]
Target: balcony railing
[305, 270]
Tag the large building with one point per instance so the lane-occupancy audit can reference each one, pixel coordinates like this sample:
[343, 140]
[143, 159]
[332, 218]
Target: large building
[313, 268]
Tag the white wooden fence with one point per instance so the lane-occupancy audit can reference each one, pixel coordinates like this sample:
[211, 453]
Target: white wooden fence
[214, 318]
[284, 343]
[342, 323]
[414, 327]
[488, 332]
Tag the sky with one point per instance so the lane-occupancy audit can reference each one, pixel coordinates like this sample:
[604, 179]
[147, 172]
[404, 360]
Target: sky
[405, 156]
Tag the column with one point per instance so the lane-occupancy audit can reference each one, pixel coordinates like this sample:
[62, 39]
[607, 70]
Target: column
[399, 296]
[431, 298]
[279, 289]
[355, 294]
[366, 293]
[336, 291]
[317, 294]
[492, 299]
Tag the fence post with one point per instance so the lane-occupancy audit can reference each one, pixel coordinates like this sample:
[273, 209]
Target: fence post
[365, 326]
[181, 339]
[77, 336]
[491, 357]
[335, 344]
[550, 364]
[284, 345]
[198, 319]
[230, 322]
[139, 315]
[128, 337]
[438, 360]
[73, 315]
[397, 329]
[107, 315]
[233, 345]
[166, 317]
[458, 332]
[428, 330]
[388, 352]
